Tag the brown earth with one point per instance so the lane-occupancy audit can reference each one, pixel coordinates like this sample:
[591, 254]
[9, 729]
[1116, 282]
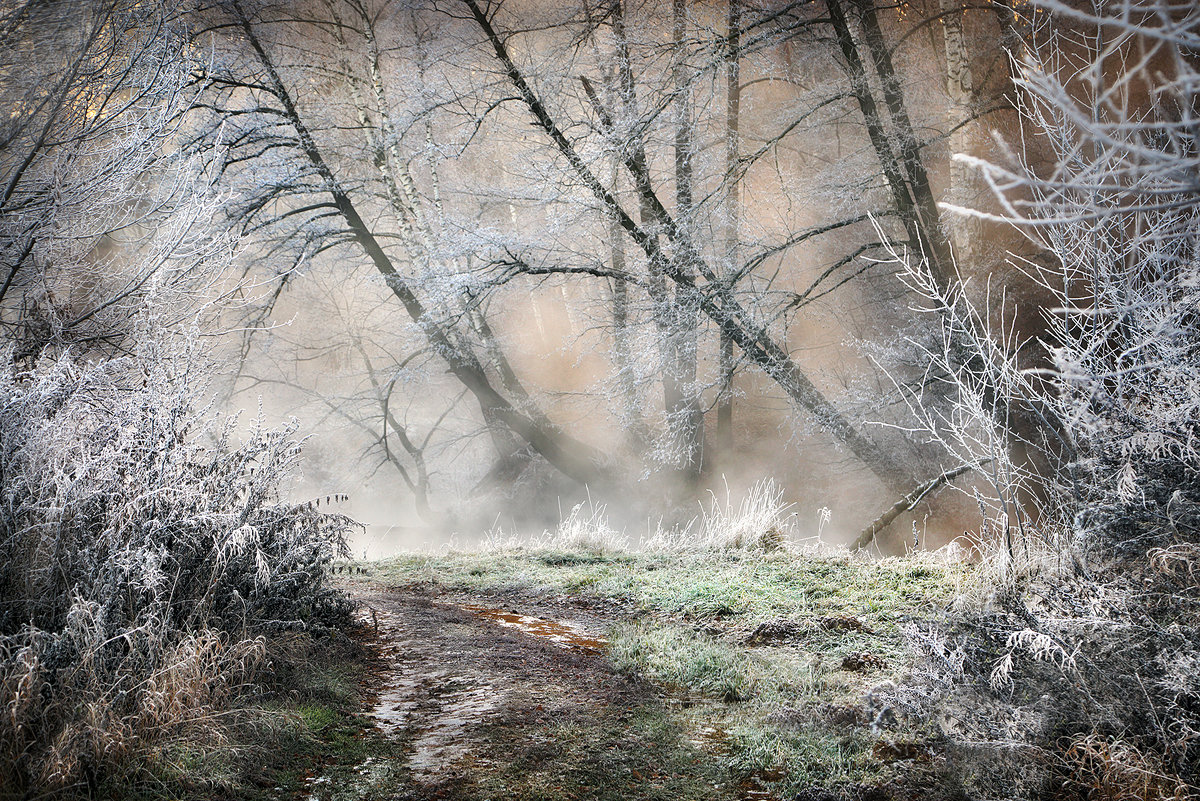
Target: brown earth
[482, 701]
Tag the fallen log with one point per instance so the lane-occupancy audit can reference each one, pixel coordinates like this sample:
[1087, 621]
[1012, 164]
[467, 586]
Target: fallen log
[908, 502]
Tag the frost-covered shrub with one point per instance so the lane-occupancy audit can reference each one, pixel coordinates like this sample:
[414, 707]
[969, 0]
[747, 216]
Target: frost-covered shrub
[1113, 94]
[1076, 673]
[146, 558]
[1063, 680]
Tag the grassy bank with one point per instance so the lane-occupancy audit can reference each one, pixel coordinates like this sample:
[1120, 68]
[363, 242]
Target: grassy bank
[767, 658]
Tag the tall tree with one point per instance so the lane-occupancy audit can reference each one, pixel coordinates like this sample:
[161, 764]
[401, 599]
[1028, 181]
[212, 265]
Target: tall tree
[685, 334]
[960, 87]
[706, 290]
[731, 216]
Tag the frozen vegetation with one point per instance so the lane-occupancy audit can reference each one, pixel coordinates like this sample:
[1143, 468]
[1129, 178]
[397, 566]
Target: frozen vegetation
[521, 259]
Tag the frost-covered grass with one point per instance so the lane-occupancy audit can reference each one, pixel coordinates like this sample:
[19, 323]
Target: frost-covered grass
[744, 589]
[783, 710]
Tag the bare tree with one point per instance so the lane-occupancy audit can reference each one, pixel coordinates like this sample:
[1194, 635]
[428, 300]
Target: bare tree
[97, 210]
[502, 399]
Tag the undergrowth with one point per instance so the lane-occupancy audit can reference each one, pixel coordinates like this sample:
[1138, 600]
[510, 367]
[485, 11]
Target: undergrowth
[151, 572]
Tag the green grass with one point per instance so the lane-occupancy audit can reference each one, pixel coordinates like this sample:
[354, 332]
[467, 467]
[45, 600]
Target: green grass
[682, 661]
[765, 704]
[753, 587]
[765, 709]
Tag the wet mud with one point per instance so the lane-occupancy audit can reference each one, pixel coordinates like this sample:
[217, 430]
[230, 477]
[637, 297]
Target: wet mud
[565, 634]
[479, 700]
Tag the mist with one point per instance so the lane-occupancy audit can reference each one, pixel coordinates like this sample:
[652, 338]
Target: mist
[503, 241]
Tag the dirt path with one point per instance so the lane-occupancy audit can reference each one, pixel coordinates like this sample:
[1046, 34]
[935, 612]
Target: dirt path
[481, 701]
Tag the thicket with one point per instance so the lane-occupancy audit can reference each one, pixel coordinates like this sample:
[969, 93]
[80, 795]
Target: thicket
[1072, 672]
[152, 574]
[150, 565]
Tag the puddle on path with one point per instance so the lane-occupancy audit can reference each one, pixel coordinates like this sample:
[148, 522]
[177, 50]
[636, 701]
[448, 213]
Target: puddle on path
[397, 698]
[562, 633]
[434, 704]
[396, 704]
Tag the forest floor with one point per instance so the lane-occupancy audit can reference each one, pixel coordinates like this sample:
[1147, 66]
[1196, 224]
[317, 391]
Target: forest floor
[557, 675]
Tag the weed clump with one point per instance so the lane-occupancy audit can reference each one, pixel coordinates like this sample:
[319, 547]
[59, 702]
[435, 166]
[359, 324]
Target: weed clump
[760, 522]
[585, 530]
[149, 563]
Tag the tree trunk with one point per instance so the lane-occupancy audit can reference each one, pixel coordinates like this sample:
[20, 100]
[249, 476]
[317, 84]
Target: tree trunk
[689, 431]
[933, 240]
[635, 427]
[731, 220]
[889, 163]
[665, 304]
[965, 231]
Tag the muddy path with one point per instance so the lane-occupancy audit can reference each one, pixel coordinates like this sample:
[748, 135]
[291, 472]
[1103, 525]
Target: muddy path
[478, 699]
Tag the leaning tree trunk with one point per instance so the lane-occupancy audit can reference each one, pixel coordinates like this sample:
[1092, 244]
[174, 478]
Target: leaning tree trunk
[904, 171]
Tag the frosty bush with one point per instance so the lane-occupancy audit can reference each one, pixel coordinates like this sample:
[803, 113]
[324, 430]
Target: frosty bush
[1113, 94]
[1075, 670]
[146, 558]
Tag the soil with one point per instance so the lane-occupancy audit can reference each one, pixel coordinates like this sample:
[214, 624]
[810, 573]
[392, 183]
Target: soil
[482, 699]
